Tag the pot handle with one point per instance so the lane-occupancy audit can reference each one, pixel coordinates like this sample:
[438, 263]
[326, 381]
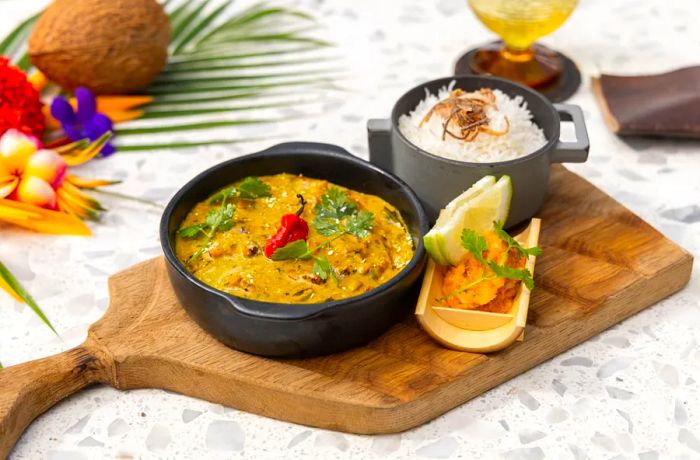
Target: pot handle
[302, 147]
[577, 151]
[379, 139]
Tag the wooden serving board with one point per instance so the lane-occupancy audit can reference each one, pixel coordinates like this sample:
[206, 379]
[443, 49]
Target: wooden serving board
[601, 264]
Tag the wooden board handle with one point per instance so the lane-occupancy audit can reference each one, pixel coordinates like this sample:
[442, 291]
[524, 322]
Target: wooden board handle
[27, 390]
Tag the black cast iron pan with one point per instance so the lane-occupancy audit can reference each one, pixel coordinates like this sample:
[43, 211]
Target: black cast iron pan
[284, 330]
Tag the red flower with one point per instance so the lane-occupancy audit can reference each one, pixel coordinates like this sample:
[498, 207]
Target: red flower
[20, 107]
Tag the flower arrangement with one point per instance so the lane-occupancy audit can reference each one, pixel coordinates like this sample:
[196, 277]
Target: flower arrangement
[219, 64]
[222, 62]
[36, 189]
[20, 107]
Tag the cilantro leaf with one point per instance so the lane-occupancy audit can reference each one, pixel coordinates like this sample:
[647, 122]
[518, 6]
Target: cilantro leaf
[192, 231]
[226, 193]
[323, 268]
[295, 250]
[220, 218]
[249, 189]
[336, 215]
[252, 188]
[520, 274]
[512, 243]
[474, 243]
[360, 224]
[331, 210]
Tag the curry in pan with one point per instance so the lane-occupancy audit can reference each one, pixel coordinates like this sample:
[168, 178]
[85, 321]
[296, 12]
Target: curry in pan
[293, 239]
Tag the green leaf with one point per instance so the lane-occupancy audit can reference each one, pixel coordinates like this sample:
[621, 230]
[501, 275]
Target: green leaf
[186, 17]
[170, 90]
[235, 64]
[228, 192]
[252, 188]
[295, 250]
[335, 214]
[181, 62]
[220, 218]
[512, 243]
[181, 81]
[188, 127]
[360, 224]
[330, 211]
[201, 24]
[322, 267]
[16, 39]
[182, 145]
[219, 37]
[474, 243]
[192, 231]
[15, 285]
[209, 110]
[520, 274]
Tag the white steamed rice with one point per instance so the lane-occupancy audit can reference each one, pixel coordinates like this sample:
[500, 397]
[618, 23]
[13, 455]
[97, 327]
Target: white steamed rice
[523, 138]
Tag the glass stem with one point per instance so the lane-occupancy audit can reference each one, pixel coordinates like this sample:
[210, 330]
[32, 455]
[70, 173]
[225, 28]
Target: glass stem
[517, 55]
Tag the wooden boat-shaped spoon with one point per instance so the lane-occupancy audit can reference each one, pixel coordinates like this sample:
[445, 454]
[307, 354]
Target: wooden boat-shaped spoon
[473, 330]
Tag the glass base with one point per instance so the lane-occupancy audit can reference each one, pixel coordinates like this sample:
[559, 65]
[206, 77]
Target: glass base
[533, 67]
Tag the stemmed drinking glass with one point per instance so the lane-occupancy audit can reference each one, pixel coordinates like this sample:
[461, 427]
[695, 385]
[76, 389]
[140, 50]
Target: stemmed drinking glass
[519, 23]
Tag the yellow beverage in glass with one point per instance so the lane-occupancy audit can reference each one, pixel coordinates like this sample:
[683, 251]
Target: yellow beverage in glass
[519, 23]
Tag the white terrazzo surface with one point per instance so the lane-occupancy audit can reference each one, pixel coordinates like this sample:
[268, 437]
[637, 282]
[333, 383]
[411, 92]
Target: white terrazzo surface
[633, 392]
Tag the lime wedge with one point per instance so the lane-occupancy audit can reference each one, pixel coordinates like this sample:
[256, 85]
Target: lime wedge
[486, 201]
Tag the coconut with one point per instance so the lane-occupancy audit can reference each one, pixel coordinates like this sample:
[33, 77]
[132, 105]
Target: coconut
[111, 47]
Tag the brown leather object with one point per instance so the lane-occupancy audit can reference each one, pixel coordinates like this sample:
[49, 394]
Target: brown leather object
[667, 104]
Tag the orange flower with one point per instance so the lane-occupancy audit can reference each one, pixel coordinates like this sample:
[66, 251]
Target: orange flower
[37, 193]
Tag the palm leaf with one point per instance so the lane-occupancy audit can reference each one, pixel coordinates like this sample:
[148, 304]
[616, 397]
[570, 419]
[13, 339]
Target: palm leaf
[179, 61]
[188, 16]
[17, 38]
[154, 114]
[9, 280]
[236, 65]
[221, 53]
[186, 79]
[185, 89]
[193, 126]
[198, 27]
[185, 145]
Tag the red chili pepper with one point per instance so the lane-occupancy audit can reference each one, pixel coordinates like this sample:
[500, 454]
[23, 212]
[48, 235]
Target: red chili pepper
[292, 228]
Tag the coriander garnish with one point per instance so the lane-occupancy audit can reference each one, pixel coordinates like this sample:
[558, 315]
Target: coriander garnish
[476, 244]
[221, 218]
[249, 189]
[335, 215]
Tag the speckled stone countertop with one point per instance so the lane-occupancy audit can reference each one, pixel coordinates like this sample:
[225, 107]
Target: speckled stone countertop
[631, 392]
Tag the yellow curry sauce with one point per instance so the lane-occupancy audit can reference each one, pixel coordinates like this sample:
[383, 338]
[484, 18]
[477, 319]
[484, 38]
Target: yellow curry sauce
[233, 260]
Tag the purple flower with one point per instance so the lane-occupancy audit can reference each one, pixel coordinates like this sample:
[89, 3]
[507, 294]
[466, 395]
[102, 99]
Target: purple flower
[85, 122]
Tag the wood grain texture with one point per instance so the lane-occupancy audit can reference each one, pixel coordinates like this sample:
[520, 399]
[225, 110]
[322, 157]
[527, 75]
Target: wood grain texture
[601, 264]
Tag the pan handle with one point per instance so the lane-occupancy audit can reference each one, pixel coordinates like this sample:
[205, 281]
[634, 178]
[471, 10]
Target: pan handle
[577, 151]
[27, 390]
[305, 147]
[379, 139]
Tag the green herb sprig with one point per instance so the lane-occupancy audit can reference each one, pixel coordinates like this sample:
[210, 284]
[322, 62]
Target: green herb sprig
[476, 244]
[221, 218]
[512, 243]
[335, 215]
[250, 188]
